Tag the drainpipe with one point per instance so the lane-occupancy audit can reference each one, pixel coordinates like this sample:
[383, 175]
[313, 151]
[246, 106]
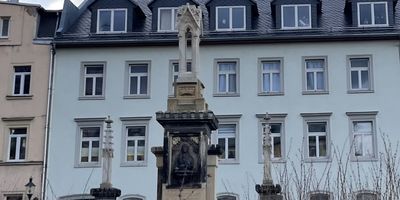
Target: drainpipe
[48, 117]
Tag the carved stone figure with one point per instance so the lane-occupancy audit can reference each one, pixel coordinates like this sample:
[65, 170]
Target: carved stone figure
[185, 161]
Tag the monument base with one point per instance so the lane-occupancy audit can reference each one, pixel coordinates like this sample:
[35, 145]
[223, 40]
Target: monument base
[269, 191]
[184, 193]
[271, 197]
[105, 193]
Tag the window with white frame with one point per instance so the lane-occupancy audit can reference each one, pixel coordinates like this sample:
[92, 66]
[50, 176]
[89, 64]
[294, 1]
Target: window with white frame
[167, 19]
[17, 144]
[138, 79]
[272, 79]
[317, 139]
[372, 14]
[13, 197]
[360, 74]
[90, 140]
[296, 16]
[175, 73]
[111, 20]
[4, 26]
[277, 129]
[227, 141]
[22, 80]
[135, 143]
[93, 80]
[231, 18]
[315, 75]
[276, 140]
[320, 196]
[367, 195]
[132, 197]
[227, 196]
[227, 77]
[363, 138]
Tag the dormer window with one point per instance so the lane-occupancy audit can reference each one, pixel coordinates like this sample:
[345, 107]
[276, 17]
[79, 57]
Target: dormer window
[111, 20]
[167, 19]
[296, 16]
[4, 26]
[231, 18]
[372, 14]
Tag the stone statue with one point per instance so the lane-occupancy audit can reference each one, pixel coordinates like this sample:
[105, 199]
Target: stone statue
[185, 161]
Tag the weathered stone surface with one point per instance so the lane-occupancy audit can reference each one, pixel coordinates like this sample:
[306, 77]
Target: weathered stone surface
[184, 193]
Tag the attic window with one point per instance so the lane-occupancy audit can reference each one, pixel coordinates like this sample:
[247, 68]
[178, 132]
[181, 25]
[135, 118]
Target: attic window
[231, 18]
[111, 20]
[4, 26]
[296, 16]
[167, 19]
[372, 14]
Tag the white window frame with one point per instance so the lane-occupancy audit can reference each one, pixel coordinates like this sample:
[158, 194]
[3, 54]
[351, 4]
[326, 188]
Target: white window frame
[112, 20]
[230, 19]
[83, 95]
[230, 194]
[129, 122]
[370, 88]
[366, 192]
[314, 71]
[369, 116]
[22, 81]
[317, 118]
[296, 16]
[278, 118]
[261, 72]
[88, 123]
[125, 197]
[330, 194]
[173, 73]
[18, 144]
[2, 18]
[229, 120]
[13, 194]
[218, 93]
[174, 23]
[128, 95]
[372, 14]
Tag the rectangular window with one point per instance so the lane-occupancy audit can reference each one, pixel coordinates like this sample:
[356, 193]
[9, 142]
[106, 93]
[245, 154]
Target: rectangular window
[135, 143]
[93, 80]
[296, 16]
[276, 140]
[22, 80]
[271, 77]
[317, 139]
[227, 78]
[17, 144]
[167, 19]
[111, 20]
[372, 14]
[175, 72]
[231, 18]
[227, 141]
[90, 144]
[138, 79]
[277, 125]
[4, 26]
[360, 74]
[13, 197]
[315, 75]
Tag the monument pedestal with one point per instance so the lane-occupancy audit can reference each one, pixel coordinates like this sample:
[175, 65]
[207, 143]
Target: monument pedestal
[105, 193]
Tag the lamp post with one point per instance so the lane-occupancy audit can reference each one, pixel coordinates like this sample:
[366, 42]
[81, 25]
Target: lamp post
[30, 188]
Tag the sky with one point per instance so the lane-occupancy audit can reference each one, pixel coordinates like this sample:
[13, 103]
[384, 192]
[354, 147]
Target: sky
[50, 4]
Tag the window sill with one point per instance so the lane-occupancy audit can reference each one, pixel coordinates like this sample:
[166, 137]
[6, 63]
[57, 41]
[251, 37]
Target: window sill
[315, 92]
[226, 95]
[88, 165]
[19, 97]
[282, 160]
[318, 160]
[228, 162]
[136, 97]
[363, 159]
[20, 162]
[134, 164]
[92, 98]
[359, 91]
[270, 94]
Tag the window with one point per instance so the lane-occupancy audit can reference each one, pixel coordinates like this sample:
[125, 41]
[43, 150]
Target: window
[321, 195]
[367, 195]
[138, 79]
[271, 77]
[132, 197]
[167, 19]
[175, 73]
[111, 20]
[90, 144]
[363, 134]
[277, 123]
[227, 79]
[315, 76]
[17, 144]
[22, 80]
[227, 196]
[372, 14]
[13, 197]
[227, 138]
[231, 18]
[4, 26]
[296, 16]
[317, 136]
[134, 140]
[93, 80]
[360, 74]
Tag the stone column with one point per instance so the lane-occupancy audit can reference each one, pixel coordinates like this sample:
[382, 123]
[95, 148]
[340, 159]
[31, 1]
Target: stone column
[158, 152]
[195, 53]
[212, 164]
[182, 54]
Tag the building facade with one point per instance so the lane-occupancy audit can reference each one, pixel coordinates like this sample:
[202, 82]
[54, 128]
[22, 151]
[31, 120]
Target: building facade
[24, 70]
[325, 71]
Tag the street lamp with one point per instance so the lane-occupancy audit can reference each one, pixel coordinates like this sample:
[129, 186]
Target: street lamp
[30, 188]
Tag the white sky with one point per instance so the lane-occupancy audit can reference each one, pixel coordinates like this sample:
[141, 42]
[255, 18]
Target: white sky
[50, 4]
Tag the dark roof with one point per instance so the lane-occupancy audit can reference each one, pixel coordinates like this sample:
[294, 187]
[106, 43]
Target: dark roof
[332, 26]
[48, 23]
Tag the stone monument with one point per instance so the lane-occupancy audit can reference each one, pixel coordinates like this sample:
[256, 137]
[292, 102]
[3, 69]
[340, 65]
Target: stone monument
[186, 163]
[106, 191]
[267, 190]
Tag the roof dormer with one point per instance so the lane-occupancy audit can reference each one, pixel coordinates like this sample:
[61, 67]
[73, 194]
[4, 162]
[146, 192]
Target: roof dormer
[301, 14]
[233, 15]
[370, 13]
